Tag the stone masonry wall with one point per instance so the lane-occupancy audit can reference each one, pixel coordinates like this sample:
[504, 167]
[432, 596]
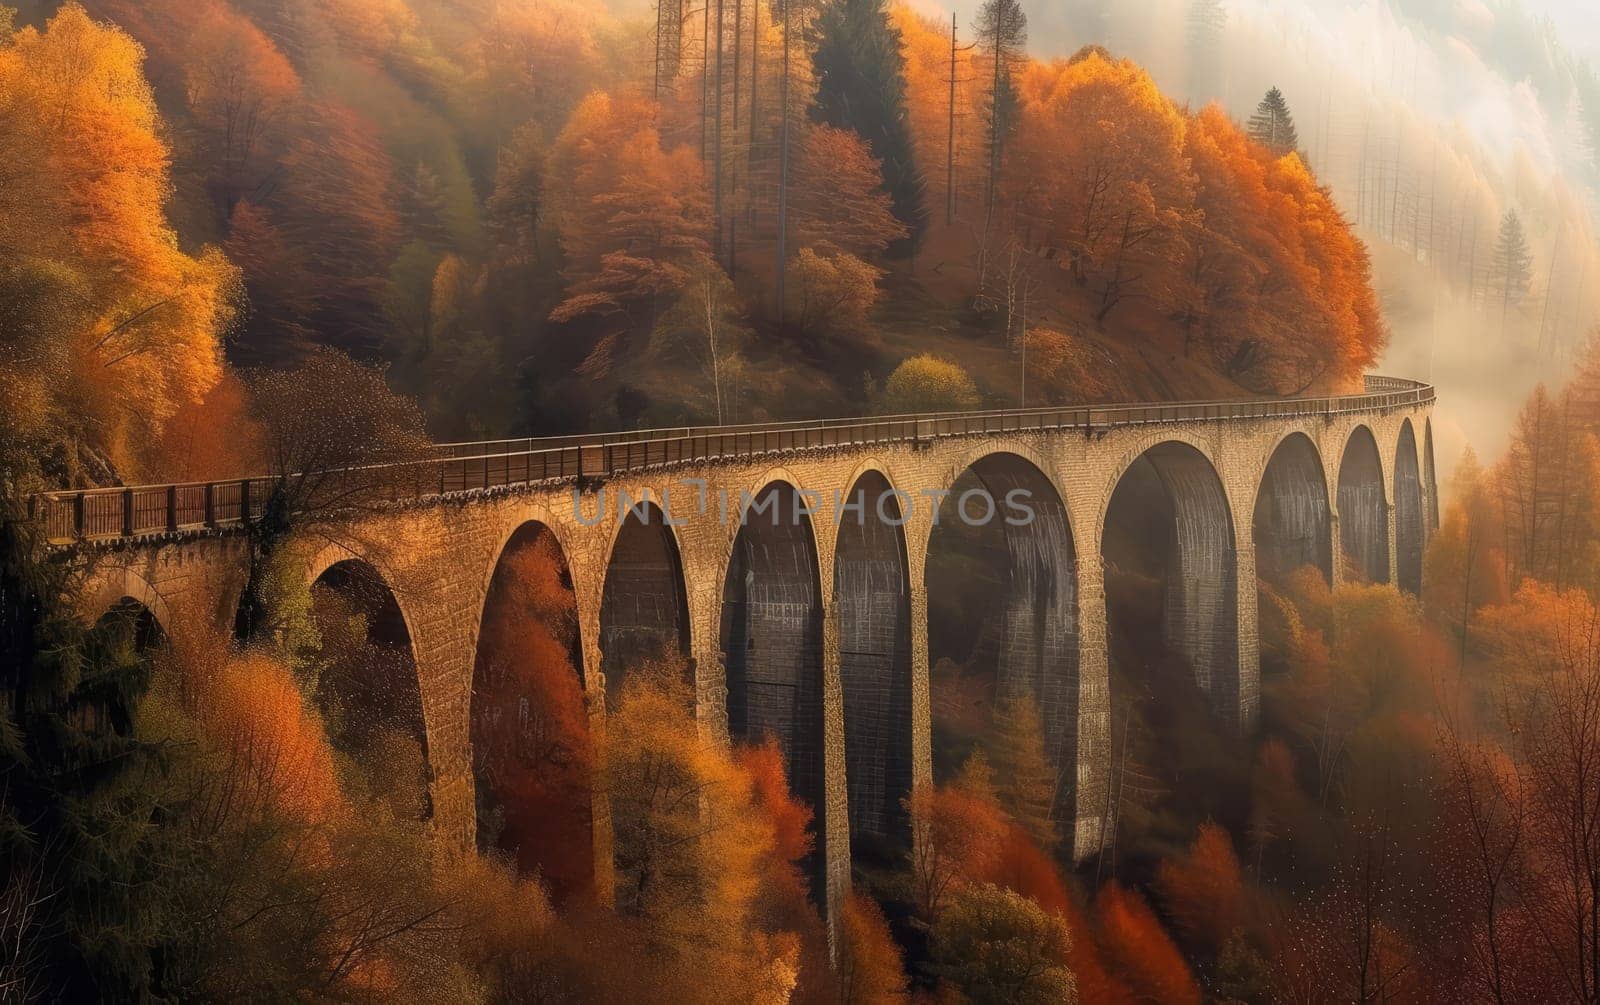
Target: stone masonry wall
[438, 557]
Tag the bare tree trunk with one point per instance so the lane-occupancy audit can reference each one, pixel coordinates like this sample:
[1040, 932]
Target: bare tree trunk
[716, 184]
[705, 80]
[950, 137]
[994, 149]
[755, 85]
[733, 171]
[1023, 394]
[1550, 286]
[1472, 262]
[738, 43]
[711, 342]
[783, 161]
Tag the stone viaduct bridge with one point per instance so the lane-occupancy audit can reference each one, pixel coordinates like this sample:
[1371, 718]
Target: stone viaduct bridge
[813, 626]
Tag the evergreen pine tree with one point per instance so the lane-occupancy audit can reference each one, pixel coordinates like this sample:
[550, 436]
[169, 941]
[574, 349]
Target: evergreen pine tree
[861, 86]
[1511, 269]
[1207, 18]
[1024, 782]
[1272, 126]
[1002, 30]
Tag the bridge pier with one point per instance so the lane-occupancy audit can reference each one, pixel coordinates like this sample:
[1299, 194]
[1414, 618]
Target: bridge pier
[1092, 809]
[1242, 708]
[1336, 573]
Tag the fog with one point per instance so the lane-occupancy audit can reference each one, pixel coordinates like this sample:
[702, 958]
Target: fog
[1429, 120]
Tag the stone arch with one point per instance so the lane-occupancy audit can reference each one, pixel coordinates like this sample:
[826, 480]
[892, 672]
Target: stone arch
[1171, 502]
[1430, 482]
[149, 632]
[644, 610]
[528, 718]
[513, 524]
[1026, 613]
[124, 621]
[1292, 524]
[368, 690]
[117, 588]
[872, 604]
[771, 642]
[1363, 507]
[1410, 531]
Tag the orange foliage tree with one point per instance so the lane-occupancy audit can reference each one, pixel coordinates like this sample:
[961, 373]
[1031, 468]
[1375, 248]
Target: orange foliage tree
[1271, 259]
[1204, 891]
[956, 832]
[1464, 562]
[870, 968]
[1139, 951]
[838, 198]
[632, 217]
[210, 439]
[239, 88]
[1546, 486]
[1098, 165]
[530, 731]
[785, 903]
[925, 44]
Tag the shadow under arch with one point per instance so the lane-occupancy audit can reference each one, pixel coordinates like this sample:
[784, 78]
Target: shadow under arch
[771, 639]
[1410, 532]
[532, 753]
[1292, 525]
[1002, 586]
[128, 631]
[1363, 509]
[1170, 528]
[367, 686]
[1177, 698]
[872, 601]
[137, 624]
[644, 610]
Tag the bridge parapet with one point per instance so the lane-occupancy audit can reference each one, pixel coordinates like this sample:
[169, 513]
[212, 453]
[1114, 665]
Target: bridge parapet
[134, 511]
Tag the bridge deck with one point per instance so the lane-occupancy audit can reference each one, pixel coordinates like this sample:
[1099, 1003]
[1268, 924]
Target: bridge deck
[131, 511]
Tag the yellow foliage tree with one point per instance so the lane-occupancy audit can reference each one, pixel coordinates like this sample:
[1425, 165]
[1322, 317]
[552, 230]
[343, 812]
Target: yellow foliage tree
[836, 291]
[84, 230]
[1025, 783]
[690, 841]
[928, 383]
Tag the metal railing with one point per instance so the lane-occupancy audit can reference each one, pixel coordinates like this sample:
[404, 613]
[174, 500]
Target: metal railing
[109, 513]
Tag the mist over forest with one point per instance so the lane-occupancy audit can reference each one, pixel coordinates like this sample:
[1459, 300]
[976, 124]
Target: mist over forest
[1429, 119]
[292, 291]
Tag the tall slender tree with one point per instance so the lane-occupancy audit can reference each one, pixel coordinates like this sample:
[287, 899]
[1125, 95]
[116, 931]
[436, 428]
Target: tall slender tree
[779, 290]
[861, 86]
[1002, 30]
[954, 79]
[1272, 126]
[669, 42]
[1511, 268]
[1207, 18]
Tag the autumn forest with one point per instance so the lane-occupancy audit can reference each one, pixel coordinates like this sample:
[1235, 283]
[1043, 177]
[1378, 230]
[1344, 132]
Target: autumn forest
[275, 239]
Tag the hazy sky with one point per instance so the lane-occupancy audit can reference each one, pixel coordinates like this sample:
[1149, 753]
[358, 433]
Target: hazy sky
[1578, 21]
